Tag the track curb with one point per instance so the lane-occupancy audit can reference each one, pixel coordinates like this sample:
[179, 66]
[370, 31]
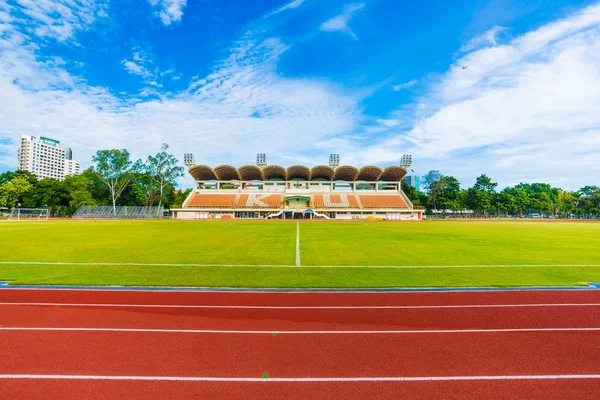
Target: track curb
[5, 285]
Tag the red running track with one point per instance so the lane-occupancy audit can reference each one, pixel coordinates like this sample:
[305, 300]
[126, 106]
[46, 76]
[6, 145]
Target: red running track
[536, 344]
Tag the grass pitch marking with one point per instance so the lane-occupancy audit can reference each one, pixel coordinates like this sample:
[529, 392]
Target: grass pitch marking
[316, 379]
[297, 244]
[246, 307]
[294, 266]
[313, 332]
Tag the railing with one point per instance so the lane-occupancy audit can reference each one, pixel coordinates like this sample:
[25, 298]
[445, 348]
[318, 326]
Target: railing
[120, 212]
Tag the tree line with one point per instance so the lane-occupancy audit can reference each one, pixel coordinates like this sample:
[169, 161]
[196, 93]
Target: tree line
[444, 196]
[113, 180]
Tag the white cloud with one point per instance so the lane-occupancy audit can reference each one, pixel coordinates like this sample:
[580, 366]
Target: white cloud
[289, 6]
[340, 22]
[524, 110]
[169, 11]
[60, 19]
[388, 122]
[244, 106]
[405, 85]
[141, 64]
[134, 68]
[489, 38]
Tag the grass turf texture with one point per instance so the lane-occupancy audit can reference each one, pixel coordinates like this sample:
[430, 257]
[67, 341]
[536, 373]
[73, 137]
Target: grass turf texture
[321, 243]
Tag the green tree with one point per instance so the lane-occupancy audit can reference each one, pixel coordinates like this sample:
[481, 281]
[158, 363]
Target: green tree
[10, 175]
[448, 189]
[50, 193]
[507, 201]
[14, 191]
[433, 193]
[96, 187]
[482, 195]
[144, 189]
[430, 178]
[479, 200]
[483, 182]
[589, 190]
[114, 168]
[522, 200]
[181, 195]
[163, 170]
[78, 187]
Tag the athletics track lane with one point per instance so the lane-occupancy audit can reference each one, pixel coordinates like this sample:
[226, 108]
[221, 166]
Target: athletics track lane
[143, 317]
[298, 298]
[578, 389]
[306, 355]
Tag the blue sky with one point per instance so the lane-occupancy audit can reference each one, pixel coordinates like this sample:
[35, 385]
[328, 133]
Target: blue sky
[300, 79]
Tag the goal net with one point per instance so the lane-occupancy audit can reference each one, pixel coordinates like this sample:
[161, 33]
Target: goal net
[28, 214]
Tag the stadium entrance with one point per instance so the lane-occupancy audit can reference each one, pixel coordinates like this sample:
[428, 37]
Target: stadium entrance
[297, 202]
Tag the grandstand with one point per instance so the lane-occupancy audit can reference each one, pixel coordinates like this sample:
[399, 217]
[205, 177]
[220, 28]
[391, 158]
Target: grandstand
[297, 192]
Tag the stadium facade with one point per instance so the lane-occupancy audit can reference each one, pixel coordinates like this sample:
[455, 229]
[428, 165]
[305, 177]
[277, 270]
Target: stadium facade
[297, 192]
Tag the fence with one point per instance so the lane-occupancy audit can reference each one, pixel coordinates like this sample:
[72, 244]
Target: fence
[120, 212]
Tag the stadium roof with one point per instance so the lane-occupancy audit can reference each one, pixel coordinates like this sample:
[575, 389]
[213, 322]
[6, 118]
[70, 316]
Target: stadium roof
[296, 172]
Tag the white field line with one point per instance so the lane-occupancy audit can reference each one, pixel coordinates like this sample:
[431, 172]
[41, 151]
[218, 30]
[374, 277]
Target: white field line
[293, 266]
[247, 307]
[312, 332]
[293, 291]
[332, 379]
[297, 244]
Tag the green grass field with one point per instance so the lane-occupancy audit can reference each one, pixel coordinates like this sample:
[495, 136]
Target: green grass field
[263, 254]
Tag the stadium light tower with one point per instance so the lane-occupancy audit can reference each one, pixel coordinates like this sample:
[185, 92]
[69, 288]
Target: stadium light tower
[406, 161]
[189, 160]
[334, 160]
[261, 160]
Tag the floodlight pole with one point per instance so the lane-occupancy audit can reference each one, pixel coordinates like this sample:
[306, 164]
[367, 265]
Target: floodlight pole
[189, 160]
[334, 160]
[261, 160]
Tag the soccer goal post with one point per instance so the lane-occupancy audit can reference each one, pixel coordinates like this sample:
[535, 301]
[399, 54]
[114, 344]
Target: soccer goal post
[28, 214]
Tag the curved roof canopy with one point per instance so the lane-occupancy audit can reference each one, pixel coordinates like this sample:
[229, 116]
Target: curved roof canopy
[322, 172]
[392, 174]
[298, 172]
[345, 173]
[226, 173]
[250, 173]
[273, 172]
[369, 173]
[202, 173]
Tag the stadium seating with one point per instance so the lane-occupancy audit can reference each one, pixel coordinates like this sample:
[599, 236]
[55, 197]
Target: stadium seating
[382, 201]
[212, 200]
[259, 201]
[368, 201]
[334, 201]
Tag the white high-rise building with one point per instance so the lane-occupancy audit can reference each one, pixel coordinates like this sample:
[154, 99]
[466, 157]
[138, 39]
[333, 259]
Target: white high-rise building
[45, 158]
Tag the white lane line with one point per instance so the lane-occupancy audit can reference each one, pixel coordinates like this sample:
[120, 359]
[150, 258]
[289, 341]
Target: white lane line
[293, 291]
[248, 307]
[297, 244]
[332, 379]
[313, 332]
[303, 266]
